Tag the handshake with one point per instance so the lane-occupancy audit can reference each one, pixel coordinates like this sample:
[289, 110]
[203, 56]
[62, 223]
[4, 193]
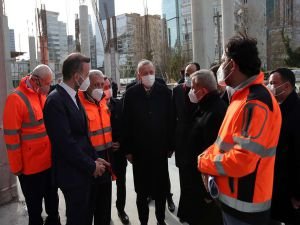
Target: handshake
[101, 165]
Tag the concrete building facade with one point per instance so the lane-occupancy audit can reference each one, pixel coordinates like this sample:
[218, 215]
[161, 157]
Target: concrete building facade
[57, 40]
[283, 18]
[84, 34]
[71, 44]
[135, 37]
[222, 19]
[8, 187]
[186, 28]
[12, 44]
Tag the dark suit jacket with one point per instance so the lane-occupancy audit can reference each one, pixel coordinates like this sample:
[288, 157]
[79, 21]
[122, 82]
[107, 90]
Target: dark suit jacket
[206, 122]
[73, 155]
[287, 164]
[182, 120]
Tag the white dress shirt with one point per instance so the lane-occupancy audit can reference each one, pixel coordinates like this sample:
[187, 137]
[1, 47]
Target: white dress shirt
[70, 91]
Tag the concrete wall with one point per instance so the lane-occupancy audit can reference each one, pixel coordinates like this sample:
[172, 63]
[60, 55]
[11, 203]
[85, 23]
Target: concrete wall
[8, 188]
[84, 30]
[203, 31]
[32, 52]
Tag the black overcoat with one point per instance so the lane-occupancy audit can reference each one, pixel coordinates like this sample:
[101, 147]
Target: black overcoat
[146, 129]
[287, 164]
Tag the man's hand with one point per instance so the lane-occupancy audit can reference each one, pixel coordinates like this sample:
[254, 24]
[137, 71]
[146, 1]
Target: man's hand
[115, 146]
[101, 164]
[205, 181]
[129, 158]
[102, 161]
[295, 203]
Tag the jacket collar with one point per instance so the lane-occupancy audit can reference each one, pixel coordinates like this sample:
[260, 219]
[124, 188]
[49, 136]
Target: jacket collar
[24, 87]
[258, 79]
[208, 99]
[289, 102]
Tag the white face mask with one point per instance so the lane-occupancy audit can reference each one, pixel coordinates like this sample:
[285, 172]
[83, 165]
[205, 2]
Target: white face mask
[85, 84]
[108, 93]
[192, 96]
[97, 94]
[274, 89]
[188, 81]
[148, 80]
[221, 75]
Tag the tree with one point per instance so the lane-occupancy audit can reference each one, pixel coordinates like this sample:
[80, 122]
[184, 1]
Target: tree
[293, 56]
[176, 61]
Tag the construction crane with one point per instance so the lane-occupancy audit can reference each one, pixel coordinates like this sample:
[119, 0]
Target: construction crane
[41, 21]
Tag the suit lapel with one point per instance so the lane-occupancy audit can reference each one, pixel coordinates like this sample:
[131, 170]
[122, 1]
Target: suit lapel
[70, 105]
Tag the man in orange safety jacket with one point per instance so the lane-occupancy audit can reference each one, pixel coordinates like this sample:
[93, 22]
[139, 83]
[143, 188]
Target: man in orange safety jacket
[28, 146]
[94, 103]
[241, 161]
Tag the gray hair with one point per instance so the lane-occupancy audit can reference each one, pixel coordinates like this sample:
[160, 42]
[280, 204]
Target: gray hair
[94, 73]
[42, 71]
[143, 62]
[206, 79]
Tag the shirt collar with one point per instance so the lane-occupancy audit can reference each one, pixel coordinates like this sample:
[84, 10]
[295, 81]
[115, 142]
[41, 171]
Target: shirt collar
[68, 89]
[230, 91]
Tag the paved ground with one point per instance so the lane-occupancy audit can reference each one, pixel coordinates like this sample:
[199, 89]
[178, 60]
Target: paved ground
[15, 214]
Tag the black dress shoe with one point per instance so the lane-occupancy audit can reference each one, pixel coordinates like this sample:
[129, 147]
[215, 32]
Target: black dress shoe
[149, 199]
[161, 223]
[123, 217]
[52, 220]
[182, 220]
[171, 205]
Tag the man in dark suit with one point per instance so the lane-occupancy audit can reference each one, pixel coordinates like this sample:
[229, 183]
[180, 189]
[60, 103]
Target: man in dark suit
[182, 114]
[147, 139]
[75, 163]
[206, 121]
[286, 189]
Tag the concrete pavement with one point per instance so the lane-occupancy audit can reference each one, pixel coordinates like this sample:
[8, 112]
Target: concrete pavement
[15, 213]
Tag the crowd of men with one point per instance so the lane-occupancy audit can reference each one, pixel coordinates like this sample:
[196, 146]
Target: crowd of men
[235, 142]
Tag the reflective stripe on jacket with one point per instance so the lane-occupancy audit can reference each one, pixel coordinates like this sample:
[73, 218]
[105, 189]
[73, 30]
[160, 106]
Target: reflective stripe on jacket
[27, 143]
[98, 123]
[242, 158]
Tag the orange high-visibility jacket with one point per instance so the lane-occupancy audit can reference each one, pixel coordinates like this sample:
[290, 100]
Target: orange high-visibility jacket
[242, 158]
[27, 143]
[98, 123]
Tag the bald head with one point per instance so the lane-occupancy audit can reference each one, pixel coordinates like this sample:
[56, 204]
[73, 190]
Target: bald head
[41, 78]
[42, 71]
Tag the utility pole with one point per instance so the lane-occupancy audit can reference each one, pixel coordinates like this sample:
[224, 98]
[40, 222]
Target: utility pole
[217, 18]
[178, 41]
[187, 40]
